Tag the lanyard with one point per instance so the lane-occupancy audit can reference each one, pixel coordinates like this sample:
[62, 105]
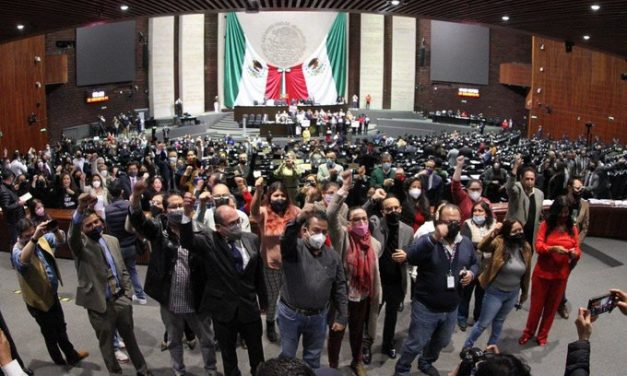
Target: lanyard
[450, 256]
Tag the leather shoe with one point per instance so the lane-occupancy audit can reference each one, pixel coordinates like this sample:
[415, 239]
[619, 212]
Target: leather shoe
[562, 310]
[462, 326]
[524, 339]
[429, 370]
[359, 369]
[366, 354]
[80, 355]
[390, 352]
[28, 371]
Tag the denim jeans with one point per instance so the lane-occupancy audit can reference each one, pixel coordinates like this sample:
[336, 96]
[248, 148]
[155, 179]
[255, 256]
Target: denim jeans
[429, 333]
[130, 254]
[313, 329]
[497, 304]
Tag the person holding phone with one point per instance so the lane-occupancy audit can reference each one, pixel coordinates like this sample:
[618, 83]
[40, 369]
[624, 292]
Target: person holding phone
[39, 278]
[557, 245]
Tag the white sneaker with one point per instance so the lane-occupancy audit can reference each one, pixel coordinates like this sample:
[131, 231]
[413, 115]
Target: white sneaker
[121, 344]
[121, 357]
[142, 301]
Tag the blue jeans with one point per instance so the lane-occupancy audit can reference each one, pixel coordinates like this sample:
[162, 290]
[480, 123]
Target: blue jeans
[497, 304]
[429, 333]
[313, 329]
[130, 254]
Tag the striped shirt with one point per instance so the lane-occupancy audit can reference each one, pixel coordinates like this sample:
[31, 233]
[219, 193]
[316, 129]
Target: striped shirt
[180, 289]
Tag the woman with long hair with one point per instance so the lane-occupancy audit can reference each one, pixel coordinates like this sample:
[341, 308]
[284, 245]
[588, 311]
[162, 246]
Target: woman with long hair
[272, 216]
[359, 252]
[66, 192]
[37, 211]
[475, 228]
[557, 245]
[414, 201]
[505, 278]
[99, 189]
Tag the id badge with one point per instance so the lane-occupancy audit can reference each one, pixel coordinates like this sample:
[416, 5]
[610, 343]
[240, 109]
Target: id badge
[450, 282]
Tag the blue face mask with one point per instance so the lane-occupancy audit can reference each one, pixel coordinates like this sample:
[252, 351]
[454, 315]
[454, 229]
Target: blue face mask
[330, 163]
[387, 165]
[478, 219]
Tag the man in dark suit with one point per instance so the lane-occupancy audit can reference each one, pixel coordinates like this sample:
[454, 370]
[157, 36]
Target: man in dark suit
[129, 179]
[233, 282]
[104, 286]
[174, 278]
[11, 204]
[393, 235]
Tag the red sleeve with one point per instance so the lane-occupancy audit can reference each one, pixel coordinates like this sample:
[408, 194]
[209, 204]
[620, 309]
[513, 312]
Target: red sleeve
[541, 246]
[458, 192]
[247, 200]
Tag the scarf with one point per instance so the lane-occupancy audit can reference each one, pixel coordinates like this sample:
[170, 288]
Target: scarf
[360, 263]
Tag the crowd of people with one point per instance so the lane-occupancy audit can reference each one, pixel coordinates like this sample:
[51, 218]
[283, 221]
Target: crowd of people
[314, 235]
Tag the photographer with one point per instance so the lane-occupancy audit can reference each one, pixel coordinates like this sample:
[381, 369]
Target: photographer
[38, 276]
[578, 357]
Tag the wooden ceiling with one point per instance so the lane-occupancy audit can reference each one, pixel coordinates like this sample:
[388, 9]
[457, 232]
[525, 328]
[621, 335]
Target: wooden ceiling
[561, 19]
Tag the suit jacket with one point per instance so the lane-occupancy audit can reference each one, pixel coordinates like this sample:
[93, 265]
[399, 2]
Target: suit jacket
[227, 295]
[164, 245]
[380, 231]
[518, 204]
[583, 219]
[91, 269]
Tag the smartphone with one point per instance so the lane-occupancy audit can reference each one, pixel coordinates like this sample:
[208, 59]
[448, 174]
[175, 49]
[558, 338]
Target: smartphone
[52, 225]
[601, 304]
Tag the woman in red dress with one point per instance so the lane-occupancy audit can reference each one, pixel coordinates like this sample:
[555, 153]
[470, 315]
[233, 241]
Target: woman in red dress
[557, 244]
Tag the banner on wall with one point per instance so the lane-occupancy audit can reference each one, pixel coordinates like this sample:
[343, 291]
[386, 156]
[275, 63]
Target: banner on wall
[270, 63]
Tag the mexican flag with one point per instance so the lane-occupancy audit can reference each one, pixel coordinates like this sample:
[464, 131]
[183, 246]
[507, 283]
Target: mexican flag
[249, 78]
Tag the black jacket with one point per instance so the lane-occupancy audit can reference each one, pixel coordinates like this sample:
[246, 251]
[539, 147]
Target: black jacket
[9, 202]
[163, 258]
[227, 295]
[115, 214]
[578, 359]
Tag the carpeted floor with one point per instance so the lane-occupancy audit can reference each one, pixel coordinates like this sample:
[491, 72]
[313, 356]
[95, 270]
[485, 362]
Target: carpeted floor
[593, 276]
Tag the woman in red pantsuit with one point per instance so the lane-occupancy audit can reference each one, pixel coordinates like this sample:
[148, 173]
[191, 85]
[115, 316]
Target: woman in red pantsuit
[557, 244]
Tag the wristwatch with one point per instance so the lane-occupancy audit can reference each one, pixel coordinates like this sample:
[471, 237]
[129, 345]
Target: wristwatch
[33, 240]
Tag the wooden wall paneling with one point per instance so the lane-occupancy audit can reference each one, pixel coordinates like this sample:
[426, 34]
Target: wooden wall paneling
[56, 69]
[387, 61]
[515, 74]
[23, 91]
[571, 89]
[211, 59]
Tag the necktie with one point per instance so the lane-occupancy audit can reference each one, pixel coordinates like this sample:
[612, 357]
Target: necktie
[237, 256]
[132, 183]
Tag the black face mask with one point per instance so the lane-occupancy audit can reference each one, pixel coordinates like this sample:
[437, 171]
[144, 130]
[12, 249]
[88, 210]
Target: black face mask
[393, 218]
[95, 233]
[517, 239]
[155, 211]
[453, 230]
[279, 206]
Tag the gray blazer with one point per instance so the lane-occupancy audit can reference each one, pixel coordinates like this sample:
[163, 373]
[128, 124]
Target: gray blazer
[380, 231]
[518, 204]
[91, 269]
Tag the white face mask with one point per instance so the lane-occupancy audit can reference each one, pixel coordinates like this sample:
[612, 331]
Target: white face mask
[104, 173]
[95, 183]
[475, 195]
[316, 241]
[415, 193]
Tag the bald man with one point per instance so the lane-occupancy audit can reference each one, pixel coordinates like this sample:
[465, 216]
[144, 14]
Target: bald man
[220, 195]
[234, 281]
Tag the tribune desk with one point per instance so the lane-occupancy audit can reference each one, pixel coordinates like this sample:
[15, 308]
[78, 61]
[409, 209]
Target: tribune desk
[240, 111]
